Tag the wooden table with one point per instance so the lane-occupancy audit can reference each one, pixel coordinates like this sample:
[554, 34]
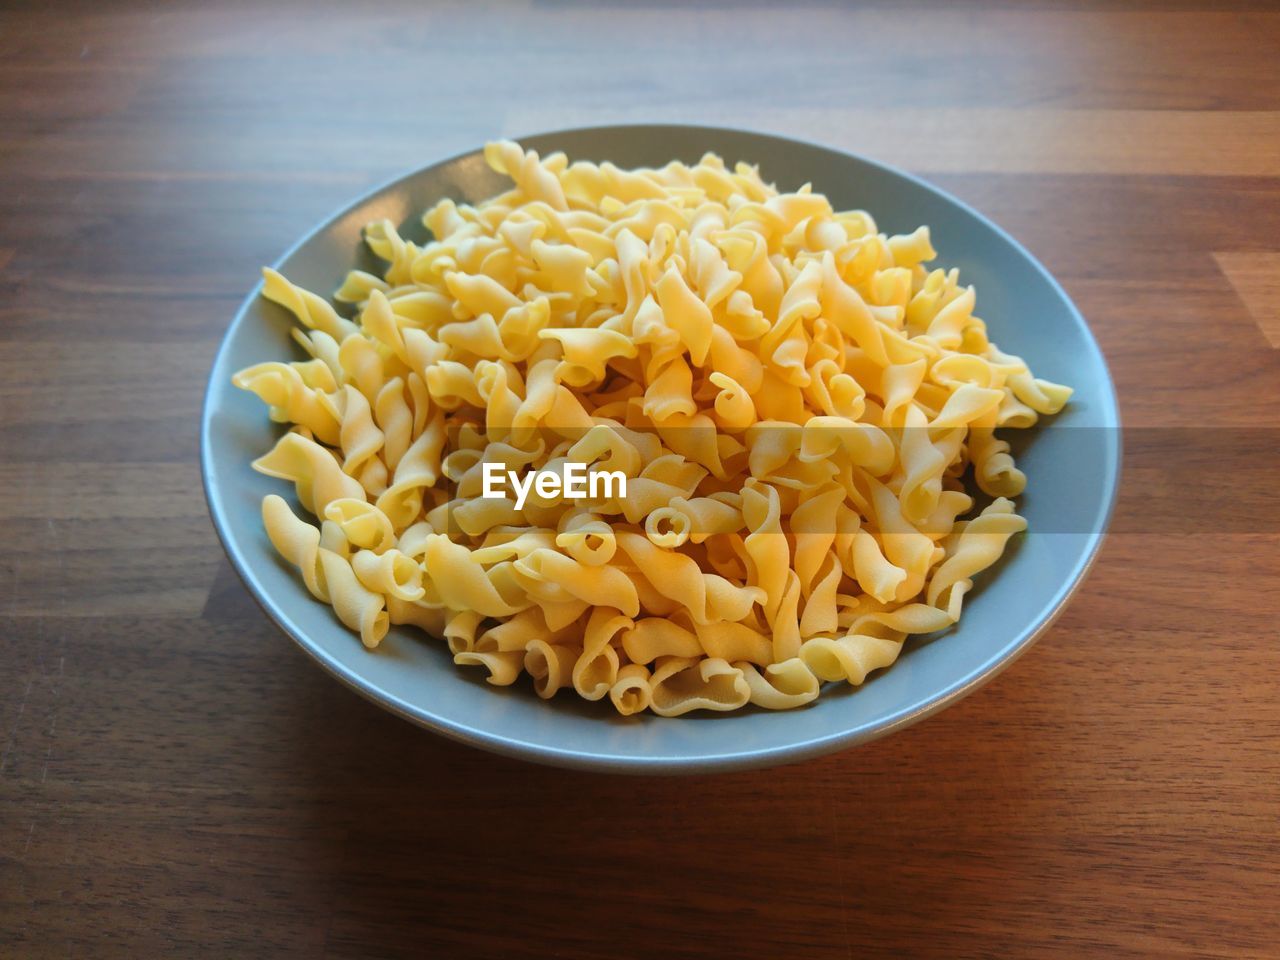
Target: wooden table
[177, 778]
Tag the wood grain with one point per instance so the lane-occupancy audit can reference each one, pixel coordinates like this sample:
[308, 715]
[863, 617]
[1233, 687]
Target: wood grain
[1256, 277]
[176, 779]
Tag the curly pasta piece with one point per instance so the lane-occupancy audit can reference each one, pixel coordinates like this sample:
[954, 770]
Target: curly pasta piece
[780, 686]
[297, 541]
[631, 693]
[312, 311]
[976, 545]
[679, 686]
[315, 472]
[291, 398]
[392, 574]
[849, 658]
[358, 607]
[595, 668]
[362, 523]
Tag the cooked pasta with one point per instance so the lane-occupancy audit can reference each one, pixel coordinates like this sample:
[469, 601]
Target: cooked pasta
[794, 399]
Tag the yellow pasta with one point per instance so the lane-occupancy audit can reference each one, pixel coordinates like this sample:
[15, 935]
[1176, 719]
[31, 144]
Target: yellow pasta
[790, 401]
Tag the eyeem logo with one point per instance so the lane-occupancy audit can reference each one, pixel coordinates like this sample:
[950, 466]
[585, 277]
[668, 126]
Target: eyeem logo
[576, 483]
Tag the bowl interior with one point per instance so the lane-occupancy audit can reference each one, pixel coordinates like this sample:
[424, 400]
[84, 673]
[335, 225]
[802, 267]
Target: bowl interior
[1071, 464]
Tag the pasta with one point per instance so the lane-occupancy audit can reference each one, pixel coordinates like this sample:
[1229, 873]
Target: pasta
[793, 399]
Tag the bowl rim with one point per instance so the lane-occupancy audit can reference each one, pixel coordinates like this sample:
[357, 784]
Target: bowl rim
[542, 753]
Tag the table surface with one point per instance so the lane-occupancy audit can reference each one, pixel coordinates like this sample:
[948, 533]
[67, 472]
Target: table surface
[178, 779]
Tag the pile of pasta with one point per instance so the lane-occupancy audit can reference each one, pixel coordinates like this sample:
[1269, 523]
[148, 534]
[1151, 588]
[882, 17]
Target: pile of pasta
[794, 398]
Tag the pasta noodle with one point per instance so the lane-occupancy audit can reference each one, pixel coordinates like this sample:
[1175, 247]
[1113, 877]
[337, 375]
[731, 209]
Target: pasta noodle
[792, 398]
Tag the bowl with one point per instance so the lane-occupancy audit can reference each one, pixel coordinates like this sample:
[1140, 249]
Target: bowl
[1071, 461]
